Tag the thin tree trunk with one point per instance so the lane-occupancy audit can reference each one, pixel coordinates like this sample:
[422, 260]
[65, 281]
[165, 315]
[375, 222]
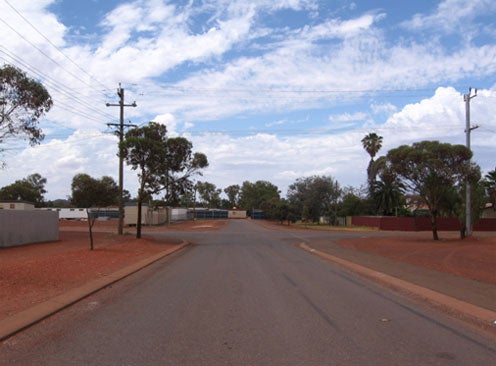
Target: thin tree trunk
[138, 223]
[370, 179]
[463, 231]
[90, 226]
[434, 225]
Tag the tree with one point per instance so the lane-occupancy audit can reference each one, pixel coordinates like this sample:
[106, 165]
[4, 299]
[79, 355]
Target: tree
[279, 209]
[161, 162]
[489, 184]
[453, 203]
[31, 189]
[254, 195]
[232, 193]
[429, 169]
[188, 197]
[23, 101]
[89, 193]
[315, 196]
[388, 197]
[353, 202]
[352, 205]
[372, 143]
[144, 149]
[181, 164]
[387, 193]
[209, 194]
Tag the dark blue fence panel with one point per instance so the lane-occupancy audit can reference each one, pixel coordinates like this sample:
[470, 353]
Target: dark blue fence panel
[210, 214]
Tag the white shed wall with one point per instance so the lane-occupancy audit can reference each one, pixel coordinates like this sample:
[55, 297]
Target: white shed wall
[25, 227]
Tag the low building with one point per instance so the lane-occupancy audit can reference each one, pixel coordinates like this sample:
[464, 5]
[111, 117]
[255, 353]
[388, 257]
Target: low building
[81, 213]
[21, 223]
[236, 214]
[16, 205]
[179, 214]
[69, 213]
[489, 211]
[149, 215]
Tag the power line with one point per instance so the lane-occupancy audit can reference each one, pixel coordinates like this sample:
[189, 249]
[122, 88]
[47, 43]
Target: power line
[316, 131]
[53, 45]
[61, 143]
[279, 95]
[54, 84]
[310, 91]
[45, 54]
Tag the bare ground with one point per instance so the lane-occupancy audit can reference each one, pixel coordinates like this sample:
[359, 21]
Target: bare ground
[34, 273]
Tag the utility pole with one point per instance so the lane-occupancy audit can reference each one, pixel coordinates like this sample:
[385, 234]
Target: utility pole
[468, 129]
[120, 93]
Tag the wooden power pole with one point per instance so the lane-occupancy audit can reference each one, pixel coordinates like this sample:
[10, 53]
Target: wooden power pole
[121, 125]
[468, 129]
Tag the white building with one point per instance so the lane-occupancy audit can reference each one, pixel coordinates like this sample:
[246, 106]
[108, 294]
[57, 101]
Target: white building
[16, 205]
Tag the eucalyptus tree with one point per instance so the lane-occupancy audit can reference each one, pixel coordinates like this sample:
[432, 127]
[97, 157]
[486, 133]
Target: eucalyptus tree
[255, 195]
[162, 163]
[144, 149]
[232, 193]
[430, 169]
[315, 196]
[23, 101]
[453, 203]
[89, 192]
[31, 188]
[279, 209]
[354, 202]
[209, 194]
[181, 165]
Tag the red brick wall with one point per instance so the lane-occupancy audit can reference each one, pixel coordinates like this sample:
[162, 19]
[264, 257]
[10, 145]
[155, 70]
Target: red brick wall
[488, 224]
[418, 223]
[398, 223]
[368, 221]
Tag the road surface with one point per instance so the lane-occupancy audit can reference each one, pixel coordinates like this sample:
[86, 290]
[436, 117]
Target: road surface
[246, 295]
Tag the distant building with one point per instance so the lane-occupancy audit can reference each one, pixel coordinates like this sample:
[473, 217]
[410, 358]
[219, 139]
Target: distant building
[16, 205]
[236, 214]
[149, 215]
[21, 223]
[179, 214]
[489, 211]
[69, 213]
[81, 214]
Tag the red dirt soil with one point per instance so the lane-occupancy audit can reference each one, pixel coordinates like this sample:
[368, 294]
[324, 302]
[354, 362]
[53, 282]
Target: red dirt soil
[473, 257]
[34, 273]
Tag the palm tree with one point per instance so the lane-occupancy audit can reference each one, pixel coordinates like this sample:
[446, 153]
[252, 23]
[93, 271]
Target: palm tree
[372, 143]
[388, 196]
[489, 183]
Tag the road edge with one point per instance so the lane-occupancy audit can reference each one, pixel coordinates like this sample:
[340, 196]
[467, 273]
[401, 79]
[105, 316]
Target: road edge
[24, 319]
[481, 318]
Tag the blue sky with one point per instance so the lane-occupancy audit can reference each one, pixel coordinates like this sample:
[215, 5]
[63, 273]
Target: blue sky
[268, 90]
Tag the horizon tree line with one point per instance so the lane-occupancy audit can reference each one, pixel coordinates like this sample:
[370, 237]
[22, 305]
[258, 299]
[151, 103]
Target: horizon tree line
[434, 172]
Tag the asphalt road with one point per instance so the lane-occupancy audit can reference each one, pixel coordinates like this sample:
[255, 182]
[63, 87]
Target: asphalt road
[246, 295]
